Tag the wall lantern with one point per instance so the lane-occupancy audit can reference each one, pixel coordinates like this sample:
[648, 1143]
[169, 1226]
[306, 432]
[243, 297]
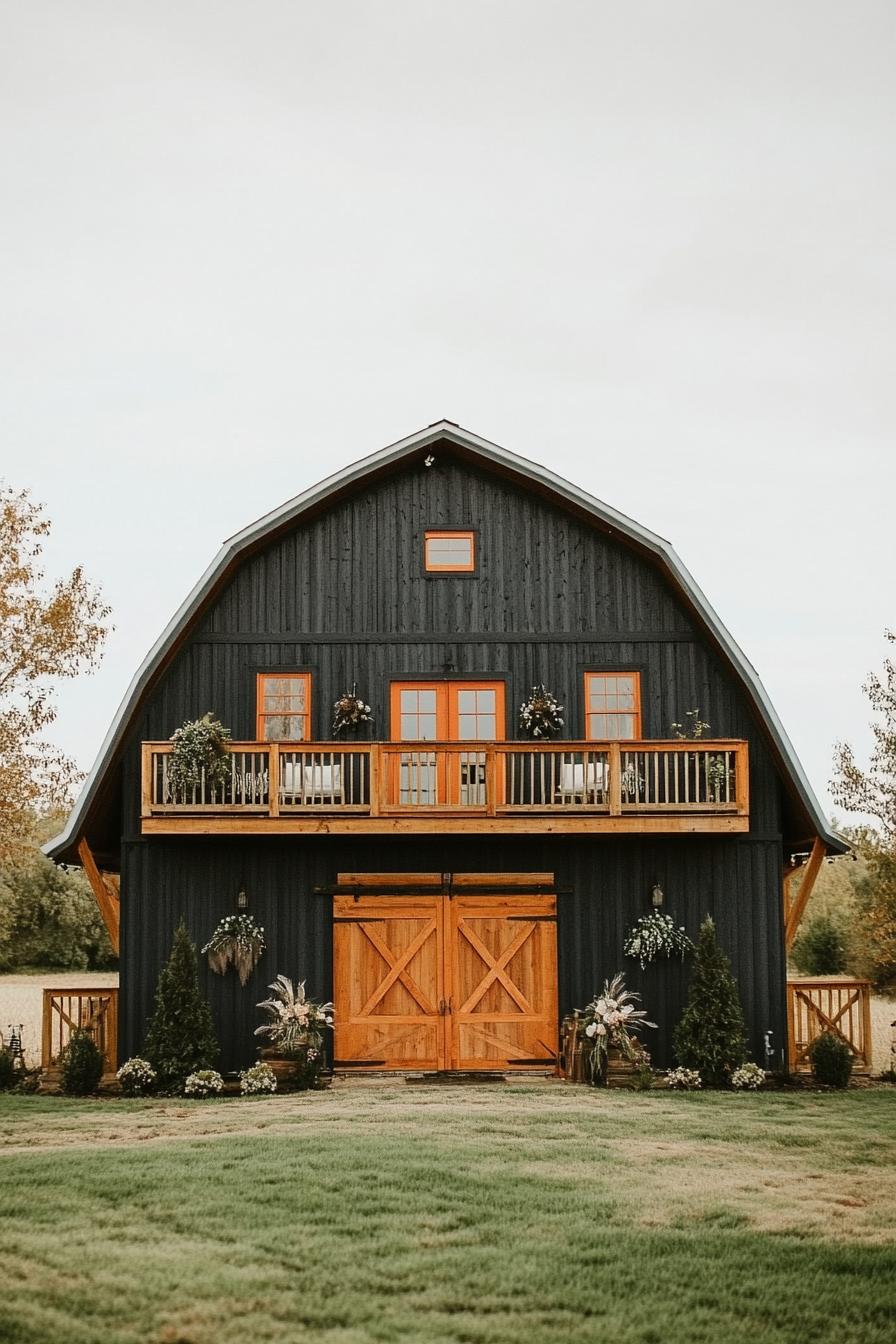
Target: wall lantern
[657, 896]
[242, 900]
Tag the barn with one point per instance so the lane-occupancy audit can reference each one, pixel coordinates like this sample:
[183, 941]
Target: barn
[458, 869]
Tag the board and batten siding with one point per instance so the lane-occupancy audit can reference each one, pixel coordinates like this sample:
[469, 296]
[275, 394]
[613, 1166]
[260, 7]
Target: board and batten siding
[345, 596]
[604, 885]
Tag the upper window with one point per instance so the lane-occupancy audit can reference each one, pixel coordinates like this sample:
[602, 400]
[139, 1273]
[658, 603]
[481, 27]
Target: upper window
[447, 552]
[284, 707]
[612, 706]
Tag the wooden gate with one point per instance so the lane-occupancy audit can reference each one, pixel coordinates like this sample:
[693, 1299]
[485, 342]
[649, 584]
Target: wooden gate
[435, 982]
[842, 1007]
[68, 1010]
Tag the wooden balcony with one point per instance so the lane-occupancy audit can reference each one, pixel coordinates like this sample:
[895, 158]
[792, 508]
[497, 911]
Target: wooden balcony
[427, 787]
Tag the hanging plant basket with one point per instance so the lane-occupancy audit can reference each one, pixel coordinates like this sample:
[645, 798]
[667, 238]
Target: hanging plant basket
[656, 935]
[199, 753]
[542, 714]
[349, 711]
[237, 941]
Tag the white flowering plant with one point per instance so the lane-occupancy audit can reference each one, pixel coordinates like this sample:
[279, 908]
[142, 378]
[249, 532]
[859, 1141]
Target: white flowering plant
[257, 1080]
[349, 711]
[542, 714]
[136, 1076]
[204, 1083]
[748, 1078]
[683, 1080]
[611, 1020]
[656, 935]
[237, 941]
[296, 1022]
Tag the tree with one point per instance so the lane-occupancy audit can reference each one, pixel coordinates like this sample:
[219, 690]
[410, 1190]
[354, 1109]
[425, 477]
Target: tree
[873, 793]
[49, 915]
[821, 947]
[47, 633]
[180, 1037]
[711, 1036]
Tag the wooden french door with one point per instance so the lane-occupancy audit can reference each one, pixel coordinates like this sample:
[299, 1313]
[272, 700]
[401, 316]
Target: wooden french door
[434, 982]
[444, 711]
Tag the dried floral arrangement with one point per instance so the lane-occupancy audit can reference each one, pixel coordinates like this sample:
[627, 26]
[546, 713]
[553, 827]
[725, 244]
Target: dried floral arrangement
[237, 941]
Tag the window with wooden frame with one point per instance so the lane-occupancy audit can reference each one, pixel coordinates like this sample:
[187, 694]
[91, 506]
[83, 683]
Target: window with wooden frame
[449, 552]
[283, 707]
[612, 706]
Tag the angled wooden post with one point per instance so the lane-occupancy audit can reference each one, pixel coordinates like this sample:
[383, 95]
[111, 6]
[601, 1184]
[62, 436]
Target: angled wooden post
[109, 904]
[801, 900]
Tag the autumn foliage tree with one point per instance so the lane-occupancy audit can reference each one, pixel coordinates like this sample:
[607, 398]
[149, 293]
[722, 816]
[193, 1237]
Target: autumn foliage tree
[49, 631]
[872, 791]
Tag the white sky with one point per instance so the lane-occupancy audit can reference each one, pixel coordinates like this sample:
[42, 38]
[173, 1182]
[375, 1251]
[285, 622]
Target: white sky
[649, 245]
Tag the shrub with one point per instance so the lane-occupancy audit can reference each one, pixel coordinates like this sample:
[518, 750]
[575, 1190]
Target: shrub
[180, 1039]
[831, 1060]
[136, 1076]
[7, 1071]
[711, 1036]
[683, 1080]
[82, 1065]
[820, 948]
[204, 1083]
[260, 1078]
[748, 1078]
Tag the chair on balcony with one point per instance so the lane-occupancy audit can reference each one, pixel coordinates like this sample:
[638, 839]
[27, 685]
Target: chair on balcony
[583, 783]
[317, 783]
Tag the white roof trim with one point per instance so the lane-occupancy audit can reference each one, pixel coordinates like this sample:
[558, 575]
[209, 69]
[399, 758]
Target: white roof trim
[490, 452]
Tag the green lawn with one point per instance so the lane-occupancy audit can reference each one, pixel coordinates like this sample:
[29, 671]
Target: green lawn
[491, 1215]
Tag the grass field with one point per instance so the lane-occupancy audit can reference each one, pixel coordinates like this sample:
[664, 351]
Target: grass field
[486, 1215]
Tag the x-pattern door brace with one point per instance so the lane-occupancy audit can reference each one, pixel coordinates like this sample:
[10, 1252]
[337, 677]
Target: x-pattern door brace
[497, 967]
[398, 965]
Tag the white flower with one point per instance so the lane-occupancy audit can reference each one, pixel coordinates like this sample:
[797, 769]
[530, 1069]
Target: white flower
[592, 1028]
[601, 1030]
[601, 1006]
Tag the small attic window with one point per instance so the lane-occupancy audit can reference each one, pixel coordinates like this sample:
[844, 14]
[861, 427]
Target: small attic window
[449, 552]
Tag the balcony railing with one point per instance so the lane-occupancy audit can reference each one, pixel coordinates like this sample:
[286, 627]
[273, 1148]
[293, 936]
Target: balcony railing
[491, 779]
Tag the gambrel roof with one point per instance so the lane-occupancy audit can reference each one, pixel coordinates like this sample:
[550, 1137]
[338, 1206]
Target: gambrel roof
[533, 477]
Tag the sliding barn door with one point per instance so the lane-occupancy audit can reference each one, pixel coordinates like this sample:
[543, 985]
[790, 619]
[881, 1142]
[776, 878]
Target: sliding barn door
[388, 978]
[503, 978]
[466, 982]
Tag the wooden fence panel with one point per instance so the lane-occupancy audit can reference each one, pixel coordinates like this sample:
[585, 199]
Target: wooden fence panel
[839, 1006]
[68, 1010]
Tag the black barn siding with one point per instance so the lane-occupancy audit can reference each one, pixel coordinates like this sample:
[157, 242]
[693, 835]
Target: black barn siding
[345, 596]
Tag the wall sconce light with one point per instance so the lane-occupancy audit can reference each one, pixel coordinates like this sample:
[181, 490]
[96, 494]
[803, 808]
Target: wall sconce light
[242, 900]
[657, 896]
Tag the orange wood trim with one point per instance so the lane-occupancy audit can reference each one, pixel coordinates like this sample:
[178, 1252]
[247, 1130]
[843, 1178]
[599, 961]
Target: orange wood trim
[615, 766]
[636, 712]
[798, 905]
[274, 779]
[376, 779]
[109, 904]
[742, 779]
[146, 755]
[260, 714]
[434, 535]
[462, 823]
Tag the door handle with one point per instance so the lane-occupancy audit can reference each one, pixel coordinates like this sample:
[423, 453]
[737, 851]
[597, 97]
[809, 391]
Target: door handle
[443, 1007]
